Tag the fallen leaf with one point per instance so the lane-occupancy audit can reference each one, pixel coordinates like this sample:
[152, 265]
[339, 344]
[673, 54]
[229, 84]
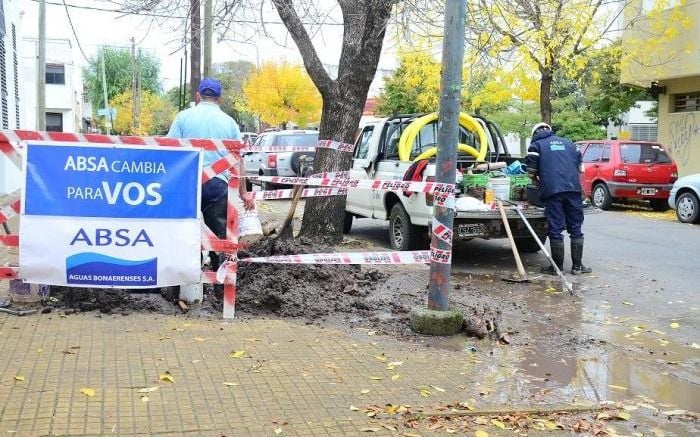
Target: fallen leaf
[278, 431]
[371, 332]
[238, 354]
[230, 384]
[376, 378]
[480, 433]
[695, 346]
[674, 412]
[603, 416]
[380, 358]
[19, 378]
[425, 392]
[370, 429]
[200, 339]
[624, 415]
[88, 392]
[39, 350]
[186, 325]
[656, 331]
[648, 406]
[630, 407]
[450, 431]
[394, 364]
[147, 390]
[164, 337]
[364, 391]
[389, 427]
[354, 408]
[167, 377]
[627, 303]
[675, 325]
[441, 390]
[617, 387]
[395, 376]
[551, 290]
[145, 398]
[411, 434]
[498, 424]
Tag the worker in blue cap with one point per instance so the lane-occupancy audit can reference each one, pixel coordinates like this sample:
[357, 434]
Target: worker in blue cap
[207, 120]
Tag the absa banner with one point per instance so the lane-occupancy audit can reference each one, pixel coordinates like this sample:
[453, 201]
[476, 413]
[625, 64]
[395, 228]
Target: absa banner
[106, 216]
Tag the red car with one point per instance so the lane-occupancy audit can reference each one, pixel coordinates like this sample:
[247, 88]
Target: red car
[623, 169]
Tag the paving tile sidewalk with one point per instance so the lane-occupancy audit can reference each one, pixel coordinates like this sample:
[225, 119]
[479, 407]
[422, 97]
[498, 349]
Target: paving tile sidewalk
[304, 376]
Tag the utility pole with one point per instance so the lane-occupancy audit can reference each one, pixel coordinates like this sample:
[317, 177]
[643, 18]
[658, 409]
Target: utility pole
[41, 70]
[195, 48]
[134, 91]
[138, 91]
[448, 136]
[104, 91]
[179, 90]
[208, 41]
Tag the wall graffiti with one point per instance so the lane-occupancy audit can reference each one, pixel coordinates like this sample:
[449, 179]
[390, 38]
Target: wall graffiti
[683, 129]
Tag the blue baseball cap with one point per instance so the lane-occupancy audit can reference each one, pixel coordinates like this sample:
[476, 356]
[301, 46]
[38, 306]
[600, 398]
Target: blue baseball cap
[210, 87]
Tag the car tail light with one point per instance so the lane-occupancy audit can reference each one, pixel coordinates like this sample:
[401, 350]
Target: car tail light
[674, 176]
[620, 175]
[429, 198]
[272, 160]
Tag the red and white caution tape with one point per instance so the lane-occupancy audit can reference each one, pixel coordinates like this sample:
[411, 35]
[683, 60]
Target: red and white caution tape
[336, 145]
[9, 272]
[15, 136]
[408, 257]
[306, 192]
[11, 153]
[10, 210]
[230, 162]
[278, 149]
[442, 232]
[226, 274]
[9, 240]
[370, 184]
[440, 256]
[332, 175]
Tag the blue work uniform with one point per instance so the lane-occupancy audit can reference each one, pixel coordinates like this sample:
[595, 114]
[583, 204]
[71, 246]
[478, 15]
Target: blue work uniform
[207, 120]
[557, 162]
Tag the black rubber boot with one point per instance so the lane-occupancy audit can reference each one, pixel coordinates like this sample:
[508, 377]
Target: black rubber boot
[557, 251]
[577, 266]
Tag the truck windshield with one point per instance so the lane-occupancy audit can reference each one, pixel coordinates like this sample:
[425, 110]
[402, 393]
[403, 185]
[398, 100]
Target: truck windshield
[643, 154]
[297, 140]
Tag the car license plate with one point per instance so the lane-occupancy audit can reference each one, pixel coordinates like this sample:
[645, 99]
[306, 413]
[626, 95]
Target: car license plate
[471, 230]
[647, 191]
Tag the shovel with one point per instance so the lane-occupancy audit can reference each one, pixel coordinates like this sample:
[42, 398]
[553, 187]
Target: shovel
[567, 285]
[522, 274]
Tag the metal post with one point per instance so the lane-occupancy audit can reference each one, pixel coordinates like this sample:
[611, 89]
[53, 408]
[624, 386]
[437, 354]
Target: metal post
[104, 91]
[448, 136]
[41, 70]
[208, 40]
[195, 48]
[179, 90]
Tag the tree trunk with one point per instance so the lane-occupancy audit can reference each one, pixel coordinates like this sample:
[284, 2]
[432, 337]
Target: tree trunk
[365, 23]
[546, 96]
[195, 48]
[323, 216]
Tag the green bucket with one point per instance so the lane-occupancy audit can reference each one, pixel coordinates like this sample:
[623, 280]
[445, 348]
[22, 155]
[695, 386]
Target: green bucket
[518, 184]
[475, 185]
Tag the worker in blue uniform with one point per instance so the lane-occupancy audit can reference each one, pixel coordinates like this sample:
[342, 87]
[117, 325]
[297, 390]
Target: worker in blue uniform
[555, 163]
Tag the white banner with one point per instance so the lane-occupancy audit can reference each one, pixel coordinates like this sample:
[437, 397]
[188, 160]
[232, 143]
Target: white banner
[101, 216]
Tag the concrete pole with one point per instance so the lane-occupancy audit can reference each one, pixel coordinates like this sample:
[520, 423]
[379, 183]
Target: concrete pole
[104, 91]
[208, 39]
[195, 48]
[41, 70]
[448, 137]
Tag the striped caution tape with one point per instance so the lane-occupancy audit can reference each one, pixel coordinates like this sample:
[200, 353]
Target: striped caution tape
[442, 232]
[332, 175]
[336, 145]
[440, 256]
[370, 184]
[407, 257]
[306, 192]
[10, 210]
[324, 144]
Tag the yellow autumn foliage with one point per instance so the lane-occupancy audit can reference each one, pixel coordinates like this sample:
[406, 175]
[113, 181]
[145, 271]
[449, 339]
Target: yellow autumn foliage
[156, 114]
[282, 93]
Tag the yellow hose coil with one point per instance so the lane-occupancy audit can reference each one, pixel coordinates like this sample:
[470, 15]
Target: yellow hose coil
[465, 121]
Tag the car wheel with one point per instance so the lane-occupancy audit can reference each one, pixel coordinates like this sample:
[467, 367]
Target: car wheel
[688, 208]
[600, 196]
[347, 223]
[402, 234]
[659, 205]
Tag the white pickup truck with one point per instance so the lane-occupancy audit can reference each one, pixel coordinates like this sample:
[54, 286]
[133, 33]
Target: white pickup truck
[376, 156]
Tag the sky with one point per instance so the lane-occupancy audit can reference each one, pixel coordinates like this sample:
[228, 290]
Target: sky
[96, 28]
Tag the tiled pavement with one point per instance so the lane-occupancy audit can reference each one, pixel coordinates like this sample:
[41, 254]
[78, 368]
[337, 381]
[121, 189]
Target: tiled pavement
[295, 378]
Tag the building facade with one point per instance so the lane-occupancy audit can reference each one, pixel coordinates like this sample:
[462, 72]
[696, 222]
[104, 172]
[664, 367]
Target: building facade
[63, 85]
[674, 75]
[12, 99]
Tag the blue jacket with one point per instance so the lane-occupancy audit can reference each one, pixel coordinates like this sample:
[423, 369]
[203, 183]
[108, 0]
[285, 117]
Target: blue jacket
[556, 161]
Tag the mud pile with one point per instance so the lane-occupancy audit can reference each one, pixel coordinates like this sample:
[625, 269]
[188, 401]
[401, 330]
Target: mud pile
[300, 290]
[107, 300]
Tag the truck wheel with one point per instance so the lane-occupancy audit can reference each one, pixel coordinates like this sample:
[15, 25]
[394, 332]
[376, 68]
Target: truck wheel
[402, 234]
[269, 186]
[528, 244]
[347, 223]
[659, 205]
[600, 197]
